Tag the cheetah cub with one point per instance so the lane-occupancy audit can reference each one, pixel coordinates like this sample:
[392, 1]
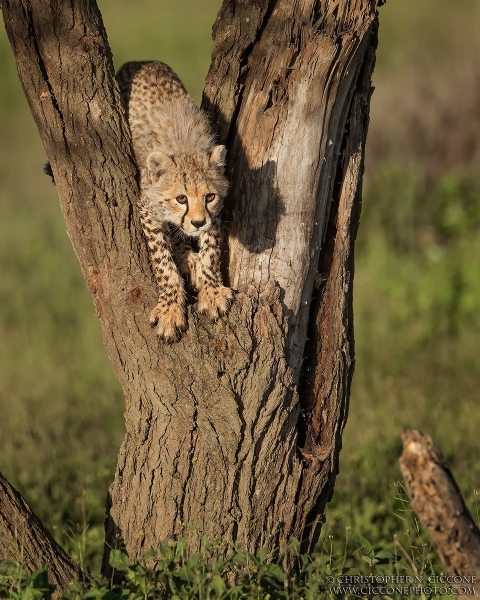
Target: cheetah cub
[182, 185]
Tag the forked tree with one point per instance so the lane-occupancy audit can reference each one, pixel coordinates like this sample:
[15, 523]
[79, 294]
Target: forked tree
[233, 432]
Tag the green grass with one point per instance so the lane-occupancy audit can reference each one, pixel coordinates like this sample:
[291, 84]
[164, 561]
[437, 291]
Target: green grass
[326, 573]
[417, 331]
[417, 287]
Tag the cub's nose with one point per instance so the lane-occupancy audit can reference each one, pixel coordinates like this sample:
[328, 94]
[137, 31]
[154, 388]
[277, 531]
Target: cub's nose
[199, 224]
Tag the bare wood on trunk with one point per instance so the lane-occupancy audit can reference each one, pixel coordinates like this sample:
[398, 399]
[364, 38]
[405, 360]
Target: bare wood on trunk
[214, 423]
[24, 539]
[437, 502]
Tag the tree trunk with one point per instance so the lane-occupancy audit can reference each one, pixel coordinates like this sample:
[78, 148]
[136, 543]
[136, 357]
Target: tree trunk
[231, 433]
[437, 502]
[24, 539]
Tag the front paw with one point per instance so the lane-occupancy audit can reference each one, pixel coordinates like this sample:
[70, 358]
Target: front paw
[170, 321]
[214, 301]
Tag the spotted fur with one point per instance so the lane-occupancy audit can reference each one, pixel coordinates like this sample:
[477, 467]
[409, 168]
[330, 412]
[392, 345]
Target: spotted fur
[182, 185]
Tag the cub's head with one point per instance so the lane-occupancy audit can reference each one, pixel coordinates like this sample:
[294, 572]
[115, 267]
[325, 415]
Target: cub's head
[187, 190]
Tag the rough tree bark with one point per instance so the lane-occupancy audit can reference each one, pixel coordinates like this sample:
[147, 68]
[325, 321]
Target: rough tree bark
[233, 432]
[24, 539]
[437, 502]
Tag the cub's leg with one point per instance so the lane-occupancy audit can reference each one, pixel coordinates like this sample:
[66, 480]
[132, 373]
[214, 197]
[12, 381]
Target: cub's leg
[187, 261]
[169, 314]
[213, 297]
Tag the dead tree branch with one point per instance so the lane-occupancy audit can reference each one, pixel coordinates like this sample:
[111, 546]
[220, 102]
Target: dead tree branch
[436, 500]
[23, 538]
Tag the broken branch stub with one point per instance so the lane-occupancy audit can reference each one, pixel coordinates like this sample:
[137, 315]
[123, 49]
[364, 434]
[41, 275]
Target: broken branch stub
[437, 502]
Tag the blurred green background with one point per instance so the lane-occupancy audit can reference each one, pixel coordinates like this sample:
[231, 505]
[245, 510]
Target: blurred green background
[417, 281]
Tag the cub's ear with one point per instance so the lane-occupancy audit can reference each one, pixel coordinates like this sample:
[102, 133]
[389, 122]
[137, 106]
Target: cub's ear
[157, 164]
[218, 157]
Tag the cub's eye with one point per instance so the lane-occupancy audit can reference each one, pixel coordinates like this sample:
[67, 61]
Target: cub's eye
[210, 197]
[182, 199]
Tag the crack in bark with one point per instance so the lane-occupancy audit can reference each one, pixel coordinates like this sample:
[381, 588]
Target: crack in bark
[193, 441]
[43, 69]
[314, 343]
[323, 378]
